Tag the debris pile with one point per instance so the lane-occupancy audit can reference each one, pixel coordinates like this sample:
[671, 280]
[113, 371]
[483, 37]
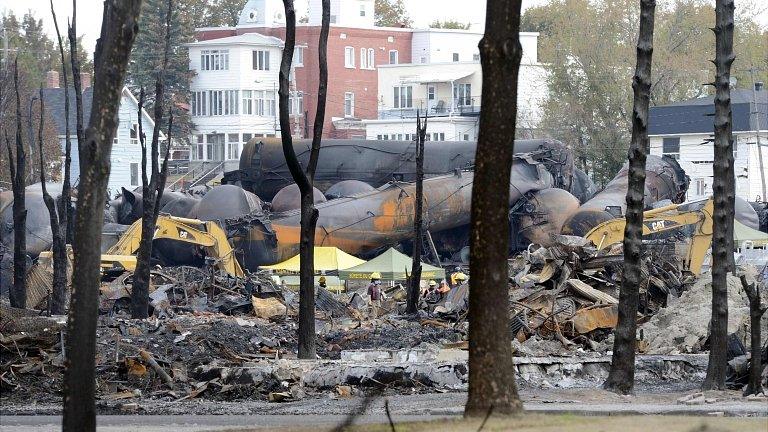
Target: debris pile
[569, 292]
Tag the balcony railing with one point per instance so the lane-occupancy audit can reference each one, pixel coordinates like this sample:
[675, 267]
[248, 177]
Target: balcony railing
[435, 108]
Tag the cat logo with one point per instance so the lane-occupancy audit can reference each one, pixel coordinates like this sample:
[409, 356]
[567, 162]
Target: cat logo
[183, 234]
[657, 226]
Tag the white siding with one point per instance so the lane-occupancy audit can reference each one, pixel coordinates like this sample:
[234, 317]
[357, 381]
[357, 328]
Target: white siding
[439, 45]
[240, 76]
[347, 13]
[697, 154]
[123, 152]
[449, 129]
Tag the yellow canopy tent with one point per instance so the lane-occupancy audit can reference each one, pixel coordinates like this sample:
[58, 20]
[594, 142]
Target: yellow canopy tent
[327, 259]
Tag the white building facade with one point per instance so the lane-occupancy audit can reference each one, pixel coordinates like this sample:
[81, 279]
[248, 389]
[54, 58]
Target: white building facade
[234, 93]
[445, 82]
[125, 159]
[684, 130]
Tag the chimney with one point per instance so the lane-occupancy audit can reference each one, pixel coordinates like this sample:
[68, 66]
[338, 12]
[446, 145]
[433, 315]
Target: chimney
[759, 86]
[52, 79]
[85, 80]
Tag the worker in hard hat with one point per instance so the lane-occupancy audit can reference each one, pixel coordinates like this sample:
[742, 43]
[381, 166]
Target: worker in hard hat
[322, 282]
[374, 293]
[458, 277]
[432, 296]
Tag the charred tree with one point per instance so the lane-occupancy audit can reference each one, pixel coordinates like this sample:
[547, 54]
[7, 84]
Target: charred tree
[305, 180]
[621, 378]
[756, 311]
[77, 85]
[152, 187]
[18, 294]
[59, 285]
[59, 221]
[418, 220]
[118, 30]
[723, 186]
[491, 372]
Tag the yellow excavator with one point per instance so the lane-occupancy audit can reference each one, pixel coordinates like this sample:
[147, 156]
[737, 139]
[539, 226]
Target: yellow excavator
[667, 218]
[206, 234]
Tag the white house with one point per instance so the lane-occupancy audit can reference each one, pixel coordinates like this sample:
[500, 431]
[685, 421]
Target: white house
[125, 159]
[234, 93]
[445, 81]
[684, 130]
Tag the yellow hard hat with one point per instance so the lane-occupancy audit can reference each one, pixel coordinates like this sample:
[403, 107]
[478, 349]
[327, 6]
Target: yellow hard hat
[461, 277]
[375, 275]
[432, 283]
[322, 279]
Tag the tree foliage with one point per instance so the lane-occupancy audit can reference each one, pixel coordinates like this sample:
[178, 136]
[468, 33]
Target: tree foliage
[590, 47]
[37, 52]
[391, 13]
[450, 24]
[147, 59]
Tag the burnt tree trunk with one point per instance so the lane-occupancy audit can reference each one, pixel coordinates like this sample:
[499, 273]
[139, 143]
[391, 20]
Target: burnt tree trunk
[59, 285]
[152, 186]
[418, 220]
[305, 180]
[18, 294]
[77, 85]
[59, 294]
[118, 30]
[491, 371]
[723, 186]
[621, 378]
[756, 311]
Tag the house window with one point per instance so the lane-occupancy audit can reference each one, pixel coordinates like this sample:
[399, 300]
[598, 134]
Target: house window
[438, 136]
[455, 57]
[371, 58]
[386, 137]
[362, 10]
[297, 103]
[233, 143]
[261, 60]
[214, 60]
[701, 187]
[247, 102]
[269, 103]
[134, 174]
[475, 57]
[230, 102]
[392, 56]
[199, 104]
[363, 58]
[403, 97]
[298, 56]
[198, 153]
[431, 92]
[349, 104]
[216, 98]
[378, 137]
[671, 147]
[462, 93]
[349, 57]
[466, 137]
[135, 134]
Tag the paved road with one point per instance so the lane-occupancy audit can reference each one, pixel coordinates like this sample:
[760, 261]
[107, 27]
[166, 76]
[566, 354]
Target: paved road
[206, 423]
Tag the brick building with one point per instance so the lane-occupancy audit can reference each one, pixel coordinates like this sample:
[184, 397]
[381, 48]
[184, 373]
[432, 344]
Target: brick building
[355, 49]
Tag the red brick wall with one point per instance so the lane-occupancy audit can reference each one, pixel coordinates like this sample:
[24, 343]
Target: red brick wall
[215, 34]
[362, 82]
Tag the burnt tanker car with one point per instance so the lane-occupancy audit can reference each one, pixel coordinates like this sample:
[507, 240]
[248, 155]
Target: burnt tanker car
[264, 172]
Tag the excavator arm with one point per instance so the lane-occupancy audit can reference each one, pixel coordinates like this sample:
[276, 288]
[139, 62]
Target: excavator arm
[206, 234]
[664, 219]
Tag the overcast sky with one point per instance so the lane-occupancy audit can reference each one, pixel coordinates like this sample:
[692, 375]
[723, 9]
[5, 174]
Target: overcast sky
[422, 12]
